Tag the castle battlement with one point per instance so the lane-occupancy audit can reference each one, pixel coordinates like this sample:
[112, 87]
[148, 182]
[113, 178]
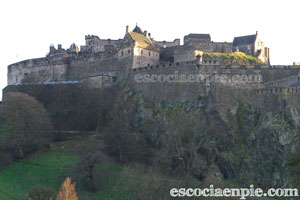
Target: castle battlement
[278, 90]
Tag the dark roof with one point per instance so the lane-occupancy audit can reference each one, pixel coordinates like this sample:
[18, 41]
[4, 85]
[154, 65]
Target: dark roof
[203, 36]
[248, 39]
[137, 30]
[73, 46]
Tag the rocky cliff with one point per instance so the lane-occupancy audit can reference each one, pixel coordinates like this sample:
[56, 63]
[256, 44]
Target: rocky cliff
[252, 145]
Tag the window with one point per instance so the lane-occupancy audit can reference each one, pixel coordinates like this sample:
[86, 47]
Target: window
[149, 53]
[122, 53]
[142, 52]
[128, 51]
[248, 47]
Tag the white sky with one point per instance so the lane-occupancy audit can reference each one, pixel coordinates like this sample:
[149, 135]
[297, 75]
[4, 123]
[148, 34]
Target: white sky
[28, 27]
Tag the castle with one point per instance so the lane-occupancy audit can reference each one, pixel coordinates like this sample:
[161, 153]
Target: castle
[136, 45]
[105, 62]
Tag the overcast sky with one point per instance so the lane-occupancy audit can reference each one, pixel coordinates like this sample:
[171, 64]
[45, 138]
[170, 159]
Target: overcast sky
[29, 27]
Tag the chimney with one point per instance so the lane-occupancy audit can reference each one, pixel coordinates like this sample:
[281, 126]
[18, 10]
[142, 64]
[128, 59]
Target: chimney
[59, 47]
[127, 29]
[256, 33]
[149, 35]
[146, 33]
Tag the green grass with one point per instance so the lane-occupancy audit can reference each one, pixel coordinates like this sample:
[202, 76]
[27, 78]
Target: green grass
[42, 168]
[235, 58]
[110, 176]
[50, 169]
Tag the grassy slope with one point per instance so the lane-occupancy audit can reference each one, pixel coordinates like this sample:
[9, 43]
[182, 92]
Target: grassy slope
[50, 169]
[235, 58]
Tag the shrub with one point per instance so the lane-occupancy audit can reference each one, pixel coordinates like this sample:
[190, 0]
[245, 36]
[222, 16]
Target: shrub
[40, 192]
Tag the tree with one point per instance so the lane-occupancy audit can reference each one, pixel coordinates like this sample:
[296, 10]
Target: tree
[25, 119]
[67, 191]
[90, 154]
[181, 142]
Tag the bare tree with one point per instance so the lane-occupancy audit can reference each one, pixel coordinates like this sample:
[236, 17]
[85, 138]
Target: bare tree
[90, 154]
[182, 141]
[25, 119]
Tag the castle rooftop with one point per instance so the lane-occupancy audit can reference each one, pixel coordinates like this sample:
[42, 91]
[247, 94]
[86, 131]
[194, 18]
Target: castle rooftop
[202, 36]
[137, 30]
[243, 40]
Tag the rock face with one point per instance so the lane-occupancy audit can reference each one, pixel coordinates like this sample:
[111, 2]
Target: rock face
[252, 145]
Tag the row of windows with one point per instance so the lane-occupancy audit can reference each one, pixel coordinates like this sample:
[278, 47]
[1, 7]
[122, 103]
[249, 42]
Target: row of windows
[128, 52]
[149, 53]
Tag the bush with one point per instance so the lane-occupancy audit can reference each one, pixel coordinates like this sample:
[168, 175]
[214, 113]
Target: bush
[40, 192]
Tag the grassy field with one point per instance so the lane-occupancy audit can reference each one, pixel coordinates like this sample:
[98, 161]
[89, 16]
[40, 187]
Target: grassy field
[50, 168]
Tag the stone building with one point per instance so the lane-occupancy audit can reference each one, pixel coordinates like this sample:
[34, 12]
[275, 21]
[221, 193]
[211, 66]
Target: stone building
[61, 52]
[252, 45]
[94, 44]
[140, 46]
[165, 44]
[203, 43]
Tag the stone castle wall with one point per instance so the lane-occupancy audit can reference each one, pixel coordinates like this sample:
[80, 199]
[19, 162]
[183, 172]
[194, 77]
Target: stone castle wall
[224, 85]
[67, 69]
[164, 44]
[226, 99]
[37, 70]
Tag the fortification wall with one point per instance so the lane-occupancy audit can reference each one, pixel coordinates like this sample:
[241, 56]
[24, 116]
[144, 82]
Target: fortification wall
[168, 89]
[222, 47]
[69, 68]
[225, 85]
[278, 72]
[202, 75]
[37, 70]
[164, 44]
[184, 55]
[226, 99]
